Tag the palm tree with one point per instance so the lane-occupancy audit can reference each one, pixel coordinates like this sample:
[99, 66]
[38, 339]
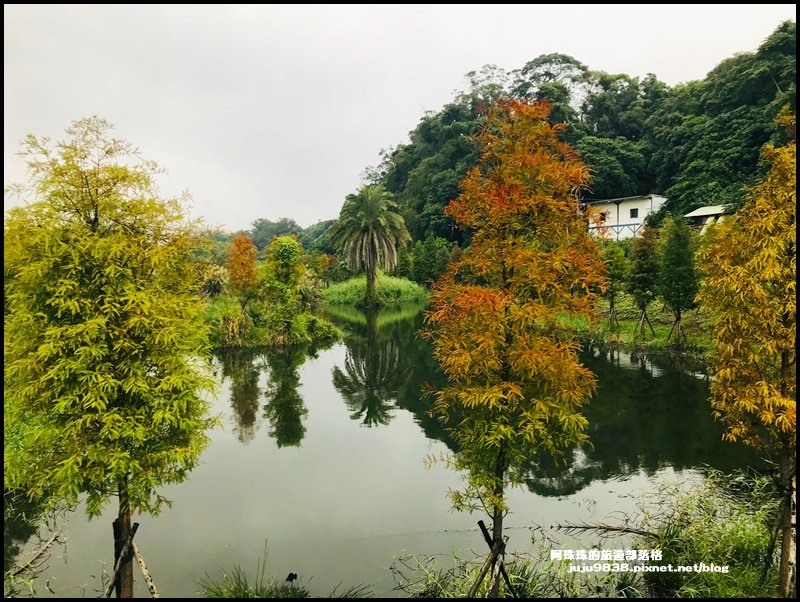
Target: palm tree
[368, 233]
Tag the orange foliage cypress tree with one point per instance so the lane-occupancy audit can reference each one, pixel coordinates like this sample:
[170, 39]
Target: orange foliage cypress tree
[498, 316]
[241, 265]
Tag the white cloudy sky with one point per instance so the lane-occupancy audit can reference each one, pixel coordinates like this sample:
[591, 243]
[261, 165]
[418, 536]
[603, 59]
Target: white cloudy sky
[274, 111]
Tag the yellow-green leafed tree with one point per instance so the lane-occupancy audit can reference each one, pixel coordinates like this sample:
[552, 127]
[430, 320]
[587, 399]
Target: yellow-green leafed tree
[103, 338]
[749, 285]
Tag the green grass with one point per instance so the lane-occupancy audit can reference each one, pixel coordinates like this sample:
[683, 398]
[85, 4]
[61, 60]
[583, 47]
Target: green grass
[725, 520]
[531, 577]
[390, 290]
[235, 584]
[695, 326]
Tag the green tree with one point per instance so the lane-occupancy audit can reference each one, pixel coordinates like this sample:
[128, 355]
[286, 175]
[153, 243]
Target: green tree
[643, 277]
[424, 174]
[706, 142]
[368, 233]
[497, 315]
[617, 267]
[430, 259]
[315, 237]
[264, 230]
[279, 302]
[103, 336]
[617, 166]
[678, 281]
[750, 288]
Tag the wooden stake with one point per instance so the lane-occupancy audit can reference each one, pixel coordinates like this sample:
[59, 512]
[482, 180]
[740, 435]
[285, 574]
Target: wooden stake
[486, 564]
[123, 554]
[145, 573]
[488, 538]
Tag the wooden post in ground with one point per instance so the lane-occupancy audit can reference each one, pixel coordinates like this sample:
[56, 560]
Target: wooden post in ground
[488, 538]
[148, 579]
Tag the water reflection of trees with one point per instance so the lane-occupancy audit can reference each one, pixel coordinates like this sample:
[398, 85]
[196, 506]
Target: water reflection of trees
[283, 407]
[387, 368]
[243, 370]
[371, 378]
[649, 411]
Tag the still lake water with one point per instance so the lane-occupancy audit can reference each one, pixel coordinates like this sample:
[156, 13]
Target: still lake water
[321, 459]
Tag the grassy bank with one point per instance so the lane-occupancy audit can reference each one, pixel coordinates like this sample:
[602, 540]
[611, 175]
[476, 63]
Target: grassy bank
[390, 290]
[623, 333]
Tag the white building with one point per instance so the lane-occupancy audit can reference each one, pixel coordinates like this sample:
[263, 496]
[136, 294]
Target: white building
[702, 217]
[624, 217]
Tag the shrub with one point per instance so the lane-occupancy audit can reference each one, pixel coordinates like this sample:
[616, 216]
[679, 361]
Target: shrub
[390, 291]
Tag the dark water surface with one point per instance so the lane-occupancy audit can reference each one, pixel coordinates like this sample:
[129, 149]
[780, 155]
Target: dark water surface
[321, 459]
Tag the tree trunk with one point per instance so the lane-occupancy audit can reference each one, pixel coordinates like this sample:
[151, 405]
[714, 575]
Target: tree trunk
[612, 308]
[371, 300]
[497, 521]
[787, 584]
[122, 529]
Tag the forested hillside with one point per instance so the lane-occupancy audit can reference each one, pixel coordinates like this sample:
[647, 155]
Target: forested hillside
[697, 143]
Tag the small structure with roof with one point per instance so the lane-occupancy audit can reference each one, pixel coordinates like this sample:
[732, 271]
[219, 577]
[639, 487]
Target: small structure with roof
[702, 217]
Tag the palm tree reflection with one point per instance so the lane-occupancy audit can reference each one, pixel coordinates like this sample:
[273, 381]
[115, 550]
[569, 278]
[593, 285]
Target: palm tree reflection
[372, 374]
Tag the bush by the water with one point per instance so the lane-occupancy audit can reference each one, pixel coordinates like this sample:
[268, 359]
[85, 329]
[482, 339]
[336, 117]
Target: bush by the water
[390, 290]
[277, 325]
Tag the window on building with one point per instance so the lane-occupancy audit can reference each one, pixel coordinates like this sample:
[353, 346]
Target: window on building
[634, 213]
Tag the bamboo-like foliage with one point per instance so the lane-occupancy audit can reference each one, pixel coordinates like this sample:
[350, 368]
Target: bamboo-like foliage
[368, 233]
[750, 287]
[497, 315]
[103, 338]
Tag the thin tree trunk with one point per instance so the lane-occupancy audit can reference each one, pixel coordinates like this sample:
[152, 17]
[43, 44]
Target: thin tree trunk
[612, 309]
[773, 538]
[787, 585]
[497, 522]
[371, 299]
[787, 577]
[643, 318]
[122, 529]
[646, 317]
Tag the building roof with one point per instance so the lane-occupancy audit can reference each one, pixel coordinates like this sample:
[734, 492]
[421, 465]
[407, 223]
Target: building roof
[624, 198]
[707, 210]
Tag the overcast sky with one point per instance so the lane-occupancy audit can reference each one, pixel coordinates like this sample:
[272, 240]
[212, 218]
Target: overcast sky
[275, 111]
